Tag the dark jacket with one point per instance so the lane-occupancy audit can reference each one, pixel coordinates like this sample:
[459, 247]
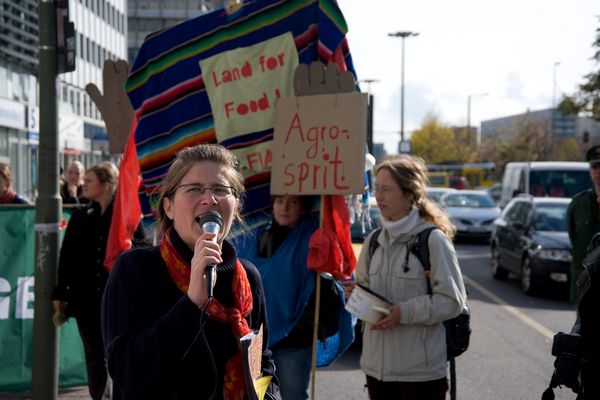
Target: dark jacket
[153, 342]
[68, 199]
[81, 275]
[583, 217]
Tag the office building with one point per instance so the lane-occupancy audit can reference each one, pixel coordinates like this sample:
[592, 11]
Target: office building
[101, 29]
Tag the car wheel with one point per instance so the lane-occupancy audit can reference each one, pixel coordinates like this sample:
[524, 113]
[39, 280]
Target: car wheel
[497, 271]
[528, 283]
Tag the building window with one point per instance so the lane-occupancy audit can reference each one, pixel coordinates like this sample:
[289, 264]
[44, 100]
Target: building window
[3, 81]
[88, 55]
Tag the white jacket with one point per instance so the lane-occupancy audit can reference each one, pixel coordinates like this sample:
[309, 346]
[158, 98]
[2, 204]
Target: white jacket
[415, 350]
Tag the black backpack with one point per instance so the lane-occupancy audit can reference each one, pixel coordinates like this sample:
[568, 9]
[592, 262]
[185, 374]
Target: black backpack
[458, 329]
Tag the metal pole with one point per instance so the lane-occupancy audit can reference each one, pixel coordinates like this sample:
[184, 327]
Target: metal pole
[44, 380]
[370, 113]
[478, 133]
[402, 96]
[402, 35]
[477, 139]
[553, 123]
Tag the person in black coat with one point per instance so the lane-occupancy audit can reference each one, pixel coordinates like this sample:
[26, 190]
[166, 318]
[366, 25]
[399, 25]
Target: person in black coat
[71, 188]
[81, 274]
[165, 338]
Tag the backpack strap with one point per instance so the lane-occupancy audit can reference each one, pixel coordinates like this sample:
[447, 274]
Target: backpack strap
[421, 250]
[373, 245]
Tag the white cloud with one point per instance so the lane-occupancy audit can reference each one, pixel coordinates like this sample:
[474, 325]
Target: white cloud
[464, 47]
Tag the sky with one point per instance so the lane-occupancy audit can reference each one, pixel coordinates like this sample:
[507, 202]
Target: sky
[507, 49]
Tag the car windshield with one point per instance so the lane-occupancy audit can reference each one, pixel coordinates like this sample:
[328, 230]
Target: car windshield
[435, 195]
[473, 200]
[558, 183]
[550, 217]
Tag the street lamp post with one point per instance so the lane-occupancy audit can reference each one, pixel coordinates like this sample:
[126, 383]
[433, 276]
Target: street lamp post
[469, 116]
[403, 35]
[553, 123]
[556, 64]
[369, 113]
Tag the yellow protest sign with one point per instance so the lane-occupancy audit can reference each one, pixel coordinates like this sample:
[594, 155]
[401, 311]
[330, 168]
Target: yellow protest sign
[243, 84]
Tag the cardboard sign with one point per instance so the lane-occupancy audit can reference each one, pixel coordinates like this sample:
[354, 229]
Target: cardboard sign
[319, 144]
[243, 84]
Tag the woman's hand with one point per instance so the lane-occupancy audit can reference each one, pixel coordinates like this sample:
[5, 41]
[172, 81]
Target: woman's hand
[206, 252]
[389, 321]
[348, 288]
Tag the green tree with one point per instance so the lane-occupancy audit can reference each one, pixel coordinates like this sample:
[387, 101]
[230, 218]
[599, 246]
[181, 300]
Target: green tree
[586, 101]
[434, 142]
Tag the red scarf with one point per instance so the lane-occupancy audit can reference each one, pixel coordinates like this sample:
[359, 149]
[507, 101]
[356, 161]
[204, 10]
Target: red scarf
[180, 271]
[7, 197]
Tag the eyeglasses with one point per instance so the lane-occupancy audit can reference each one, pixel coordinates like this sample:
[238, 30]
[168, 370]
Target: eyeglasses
[385, 190]
[195, 190]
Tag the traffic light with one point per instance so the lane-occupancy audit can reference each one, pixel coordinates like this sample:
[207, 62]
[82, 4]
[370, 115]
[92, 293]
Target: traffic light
[65, 38]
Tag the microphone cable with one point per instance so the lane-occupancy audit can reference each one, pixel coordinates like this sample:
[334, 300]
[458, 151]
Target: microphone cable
[204, 316]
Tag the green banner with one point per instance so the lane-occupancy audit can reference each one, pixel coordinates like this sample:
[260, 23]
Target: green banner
[17, 257]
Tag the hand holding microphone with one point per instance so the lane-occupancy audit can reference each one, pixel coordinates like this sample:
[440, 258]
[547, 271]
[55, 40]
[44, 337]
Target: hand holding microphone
[211, 222]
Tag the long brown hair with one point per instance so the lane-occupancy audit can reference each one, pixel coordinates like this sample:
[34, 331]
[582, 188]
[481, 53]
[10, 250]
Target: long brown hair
[184, 161]
[410, 173]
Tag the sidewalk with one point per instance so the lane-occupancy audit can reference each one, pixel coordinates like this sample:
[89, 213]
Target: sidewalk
[77, 393]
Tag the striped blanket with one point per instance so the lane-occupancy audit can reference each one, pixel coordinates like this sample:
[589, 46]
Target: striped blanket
[167, 89]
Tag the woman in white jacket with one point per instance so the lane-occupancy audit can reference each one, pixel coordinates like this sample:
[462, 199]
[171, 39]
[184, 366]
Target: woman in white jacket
[404, 353]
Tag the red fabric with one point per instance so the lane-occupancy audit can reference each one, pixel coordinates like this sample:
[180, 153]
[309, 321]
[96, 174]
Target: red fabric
[325, 253]
[337, 219]
[126, 210]
[7, 197]
[234, 387]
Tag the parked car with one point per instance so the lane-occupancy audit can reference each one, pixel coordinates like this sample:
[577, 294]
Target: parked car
[530, 240]
[495, 191]
[544, 179]
[436, 193]
[472, 211]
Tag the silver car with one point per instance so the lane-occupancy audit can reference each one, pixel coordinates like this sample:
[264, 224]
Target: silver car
[472, 211]
[436, 193]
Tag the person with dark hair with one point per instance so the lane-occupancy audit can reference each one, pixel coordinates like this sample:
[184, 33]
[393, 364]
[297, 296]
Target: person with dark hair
[165, 338]
[281, 258]
[583, 219]
[7, 194]
[82, 275]
[404, 353]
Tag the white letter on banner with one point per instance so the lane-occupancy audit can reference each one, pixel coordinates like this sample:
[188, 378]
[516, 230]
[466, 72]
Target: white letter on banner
[5, 300]
[24, 297]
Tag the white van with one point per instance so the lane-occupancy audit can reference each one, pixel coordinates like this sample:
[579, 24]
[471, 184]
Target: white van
[547, 178]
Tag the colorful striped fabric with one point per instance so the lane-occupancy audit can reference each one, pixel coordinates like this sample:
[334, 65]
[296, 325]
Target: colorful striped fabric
[167, 91]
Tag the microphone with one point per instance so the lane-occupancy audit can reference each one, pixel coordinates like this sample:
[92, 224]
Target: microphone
[210, 221]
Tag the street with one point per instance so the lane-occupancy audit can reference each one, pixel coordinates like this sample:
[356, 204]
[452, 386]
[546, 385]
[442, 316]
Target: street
[509, 356]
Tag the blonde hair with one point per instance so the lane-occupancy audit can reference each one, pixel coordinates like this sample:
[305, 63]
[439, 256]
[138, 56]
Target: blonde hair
[410, 173]
[6, 173]
[106, 172]
[184, 161]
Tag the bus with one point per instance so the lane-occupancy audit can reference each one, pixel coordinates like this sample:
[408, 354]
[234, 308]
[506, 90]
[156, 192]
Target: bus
[478, 175]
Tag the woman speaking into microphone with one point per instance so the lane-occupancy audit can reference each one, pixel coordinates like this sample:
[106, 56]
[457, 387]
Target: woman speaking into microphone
[165, 337]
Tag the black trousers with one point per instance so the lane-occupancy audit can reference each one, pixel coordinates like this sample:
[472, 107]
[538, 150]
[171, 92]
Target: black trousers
[91, 336]
[429, 390]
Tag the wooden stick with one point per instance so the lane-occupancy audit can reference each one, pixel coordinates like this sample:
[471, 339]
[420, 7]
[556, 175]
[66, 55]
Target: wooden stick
[313, 381]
